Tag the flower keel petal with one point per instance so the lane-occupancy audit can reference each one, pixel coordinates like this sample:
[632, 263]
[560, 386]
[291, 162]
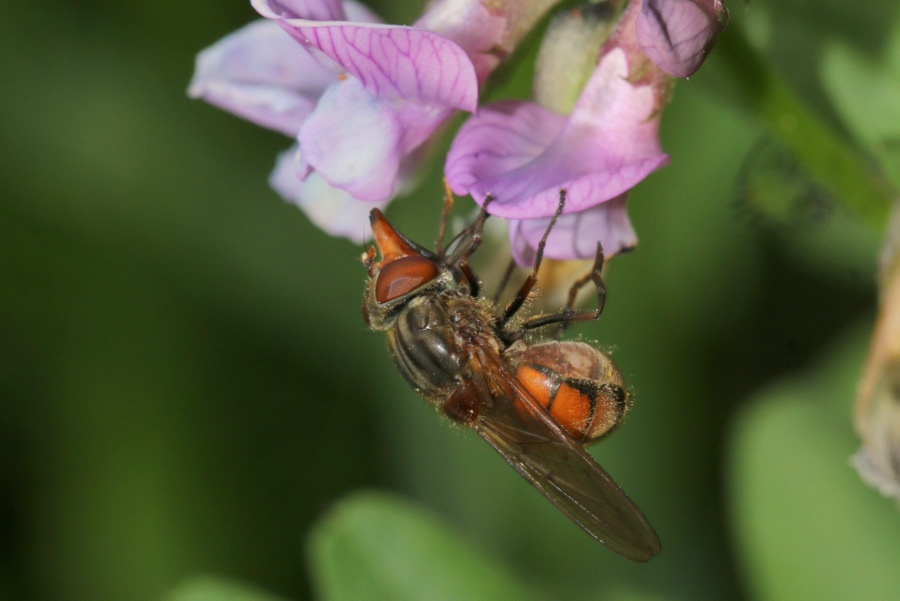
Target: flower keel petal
[353, 140]
[333, 210]
[575, 236]
[504, 136]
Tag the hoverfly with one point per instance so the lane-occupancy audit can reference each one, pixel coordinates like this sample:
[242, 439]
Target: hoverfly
[535, 404]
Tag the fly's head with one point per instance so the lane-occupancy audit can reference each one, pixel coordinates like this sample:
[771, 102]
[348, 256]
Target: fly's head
[405, 271]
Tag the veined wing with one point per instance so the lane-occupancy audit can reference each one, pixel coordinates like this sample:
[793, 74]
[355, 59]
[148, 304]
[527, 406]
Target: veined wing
[519, 428]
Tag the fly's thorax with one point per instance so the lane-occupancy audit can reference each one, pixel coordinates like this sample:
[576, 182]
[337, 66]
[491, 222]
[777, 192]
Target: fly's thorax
[433, 337]
[424, 343]
[578, 384]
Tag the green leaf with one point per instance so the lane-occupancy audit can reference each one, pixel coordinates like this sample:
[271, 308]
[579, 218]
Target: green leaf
[807, 527]
[866, 92]
[373, 546]
[820, 150]
[211, 588]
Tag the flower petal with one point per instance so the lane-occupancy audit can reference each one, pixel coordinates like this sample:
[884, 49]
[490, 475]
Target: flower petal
[358, 141]
[333, 210]
[315, 10]
[391, 61]
[262, 75]
[608, 144]
[575, 236]
[502, 137]
[678, 34]
[473, 26]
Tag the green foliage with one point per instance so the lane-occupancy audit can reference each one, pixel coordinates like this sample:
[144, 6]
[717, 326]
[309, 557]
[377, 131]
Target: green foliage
[186, 382]
[806, 528]
[374, 546]
[865, 91]
[218, 589]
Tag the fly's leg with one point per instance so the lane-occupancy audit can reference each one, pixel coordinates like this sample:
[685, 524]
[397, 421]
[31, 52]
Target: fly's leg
[528, 285]
[592, 276]
[569, 314]
[445, 216]
[505, 280]
[458, 261]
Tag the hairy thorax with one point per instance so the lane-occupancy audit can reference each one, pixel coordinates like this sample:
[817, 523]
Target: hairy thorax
[437, 335]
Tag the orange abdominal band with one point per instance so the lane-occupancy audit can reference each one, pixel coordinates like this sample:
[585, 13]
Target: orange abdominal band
[571, 407]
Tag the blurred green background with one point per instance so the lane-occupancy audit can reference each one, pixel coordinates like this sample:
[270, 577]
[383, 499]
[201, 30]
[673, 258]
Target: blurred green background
[187, 385]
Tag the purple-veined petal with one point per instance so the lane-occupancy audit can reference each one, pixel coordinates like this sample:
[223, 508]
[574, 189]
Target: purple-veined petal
[391, 61]
[678, 34]
[608, 144]
[351, 140]
[358, 141]
[575, 236]
[471, 25]
[502, 137]
[261, 74]
[333, 210]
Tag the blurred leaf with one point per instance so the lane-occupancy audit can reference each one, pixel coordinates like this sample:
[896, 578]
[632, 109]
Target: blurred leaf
[837, 248]
[373, 546]
[819, 149]
[773, 189]
[807, 527]
[210, 588]
[866, 93]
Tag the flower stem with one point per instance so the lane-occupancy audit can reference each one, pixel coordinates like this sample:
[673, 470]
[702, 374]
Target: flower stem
[825, 155]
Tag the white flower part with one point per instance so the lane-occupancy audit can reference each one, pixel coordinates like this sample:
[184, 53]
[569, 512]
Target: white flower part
[332, 209]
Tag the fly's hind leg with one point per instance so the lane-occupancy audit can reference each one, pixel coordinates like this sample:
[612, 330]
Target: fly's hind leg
[569, 314]
[594, 275]
[528, 285]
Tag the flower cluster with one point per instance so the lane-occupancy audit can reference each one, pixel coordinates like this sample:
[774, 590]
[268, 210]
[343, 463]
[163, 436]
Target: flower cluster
[364, 100]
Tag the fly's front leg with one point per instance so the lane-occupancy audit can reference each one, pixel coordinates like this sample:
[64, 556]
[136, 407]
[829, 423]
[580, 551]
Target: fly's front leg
[445, 216]
[458, 260]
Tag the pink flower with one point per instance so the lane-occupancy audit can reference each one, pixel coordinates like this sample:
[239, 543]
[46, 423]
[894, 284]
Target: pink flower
[523, 154]
[678, 34]
[361, 98]
[575, 235]
[393, 87]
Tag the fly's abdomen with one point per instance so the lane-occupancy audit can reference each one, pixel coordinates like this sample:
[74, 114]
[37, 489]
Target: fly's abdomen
[578, 384]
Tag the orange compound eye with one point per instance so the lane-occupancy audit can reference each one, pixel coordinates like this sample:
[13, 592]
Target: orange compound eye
[402, 276]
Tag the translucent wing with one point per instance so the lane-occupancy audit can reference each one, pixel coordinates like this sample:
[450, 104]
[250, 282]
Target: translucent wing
[518, 427]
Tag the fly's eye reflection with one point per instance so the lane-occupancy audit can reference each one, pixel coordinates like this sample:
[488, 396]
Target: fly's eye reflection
[402, 276]
[535, 404]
